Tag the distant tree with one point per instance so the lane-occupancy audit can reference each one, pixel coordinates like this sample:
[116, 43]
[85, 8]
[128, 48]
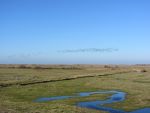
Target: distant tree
[143, 70]
[22, 66]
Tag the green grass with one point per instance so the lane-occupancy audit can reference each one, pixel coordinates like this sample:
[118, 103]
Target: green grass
[19, 99]
[12, 76]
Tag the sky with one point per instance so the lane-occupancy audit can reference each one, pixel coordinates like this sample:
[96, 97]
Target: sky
[74, 31]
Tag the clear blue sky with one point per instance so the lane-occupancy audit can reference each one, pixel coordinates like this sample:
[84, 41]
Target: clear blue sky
[33, 31]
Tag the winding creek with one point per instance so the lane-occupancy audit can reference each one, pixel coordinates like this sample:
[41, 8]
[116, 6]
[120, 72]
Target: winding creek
[117, 96]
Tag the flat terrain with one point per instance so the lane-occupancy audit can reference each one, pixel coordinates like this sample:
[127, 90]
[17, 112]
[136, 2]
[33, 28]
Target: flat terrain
[21, 85]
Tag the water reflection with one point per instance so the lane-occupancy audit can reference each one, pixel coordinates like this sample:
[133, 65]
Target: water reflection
[117, 96]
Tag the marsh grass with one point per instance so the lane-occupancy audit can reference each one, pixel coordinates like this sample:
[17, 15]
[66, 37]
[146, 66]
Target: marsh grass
[19, 99]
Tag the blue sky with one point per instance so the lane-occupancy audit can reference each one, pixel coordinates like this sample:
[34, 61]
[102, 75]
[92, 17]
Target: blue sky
[34, 31]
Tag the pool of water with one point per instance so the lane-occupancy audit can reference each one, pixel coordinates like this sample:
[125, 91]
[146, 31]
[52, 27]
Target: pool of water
[117, 96]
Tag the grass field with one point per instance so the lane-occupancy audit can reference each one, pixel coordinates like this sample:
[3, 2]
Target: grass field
[20, 86]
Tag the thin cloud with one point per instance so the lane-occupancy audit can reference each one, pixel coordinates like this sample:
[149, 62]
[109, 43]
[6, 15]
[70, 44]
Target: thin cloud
[25, 55]
[88, 50]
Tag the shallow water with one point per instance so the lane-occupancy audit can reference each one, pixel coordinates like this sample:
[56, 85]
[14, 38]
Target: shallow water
[117, 96]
